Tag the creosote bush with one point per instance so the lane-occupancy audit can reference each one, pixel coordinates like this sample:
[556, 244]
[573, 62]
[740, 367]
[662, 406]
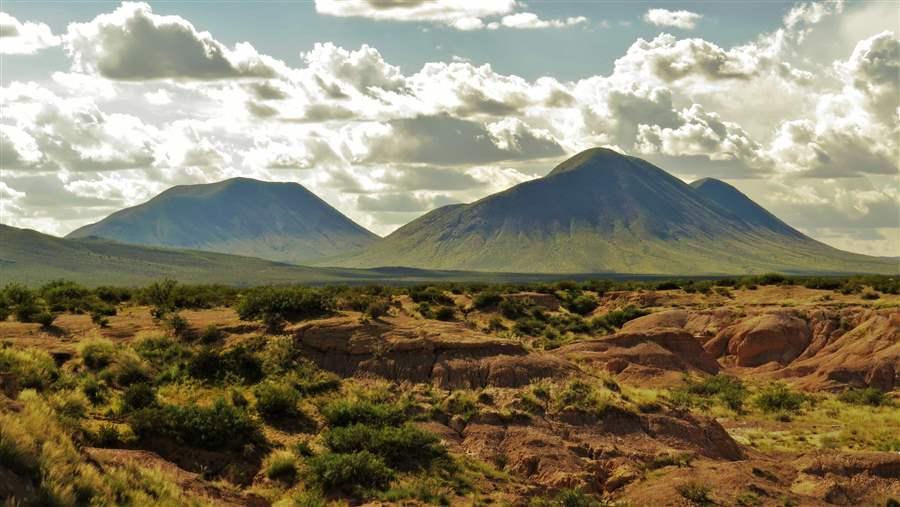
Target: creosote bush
[220, 426]
[275, 400]
[352, 474]
[273, 304]
[778, 397]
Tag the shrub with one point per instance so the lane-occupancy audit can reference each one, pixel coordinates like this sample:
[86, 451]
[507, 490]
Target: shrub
[276, 401]
[462, 404]
[694, 492]
[270, 304]
[617, 318]
[486, 300]
[377, 308]
[529, 326]
[138, 396]
[281, 466]
[515, 308]
[161, 296]
[866, 396]
[219, 426]
[32, 367]
[212, 366]
[870, 295]
[93, 390]
[729, 390]
[429, 294]
[350, 473]
[176, 324]
[401, 447]
[445, 313]
[582, 304]
[211, 334]
[66, 296]
[349, 412]
[582, 397]
[97, 353]
[107, 435]
[779, 398]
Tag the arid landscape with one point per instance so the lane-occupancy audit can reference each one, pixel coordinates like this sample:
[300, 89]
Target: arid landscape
[746, 391]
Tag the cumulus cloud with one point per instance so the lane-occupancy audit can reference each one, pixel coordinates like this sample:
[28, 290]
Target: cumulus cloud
[458, 14]
[134, 44]
[530, 21]
[686, 20]
[24, 38]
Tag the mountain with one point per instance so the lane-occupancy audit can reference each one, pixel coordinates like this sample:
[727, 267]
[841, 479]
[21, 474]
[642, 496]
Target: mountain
[601, 211]
[275, 221]
[33, 258]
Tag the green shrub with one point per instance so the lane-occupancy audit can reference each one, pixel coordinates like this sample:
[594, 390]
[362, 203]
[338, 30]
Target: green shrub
[582, 304]
[429, 294]
[377, 308]
[515, 308]
[138, 396]
[107, 435]
[93, 390]
[729, 390]
[401, 447]
[865, 396]
[344, 412]
[32, 367]
[617, 318]
[211, 334]
[275, 401]
[696, 493]
[215, 366]
[97, 353]
[445, 313]
[288, 303]
[161, 297]
[216, 427]
[779, 398]
[582, 397]
[870, 295]
[486, 300]
[176, 324]
[350, 473]
[529, 326]
[281, 466]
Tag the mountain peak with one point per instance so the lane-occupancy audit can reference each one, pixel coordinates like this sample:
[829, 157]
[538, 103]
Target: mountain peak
[280, 221]
[737, 203]
[592, 159]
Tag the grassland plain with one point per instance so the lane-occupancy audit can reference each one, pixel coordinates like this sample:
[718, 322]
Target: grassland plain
[545, 394]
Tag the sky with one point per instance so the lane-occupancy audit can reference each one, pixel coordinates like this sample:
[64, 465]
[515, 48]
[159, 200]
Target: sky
[389, 108]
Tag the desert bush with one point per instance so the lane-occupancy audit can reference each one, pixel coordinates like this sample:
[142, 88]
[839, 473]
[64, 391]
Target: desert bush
[445, 313]
[213, 366]
[870, 295]
[276, 401]
[567, 497]
[729, 390]
[176, 324]
[138, 396]
[582, 304]
[66, 296]
[94, 390]
[220, 426]
[694, 492]
[281, 466]
[461, 403]
[486, 300]
[269, 304]
[114, 295]
[580, 396]
[401, 447]
[529, 326]
[515, 308]
[778, 397]
[429, 294]
[353, 473]
[617, 318]
[161, 297]
[348, 412]
[161, 351]
[377, 308]
[32, 367]
[107, 435]
[864, 396]
[97, 353]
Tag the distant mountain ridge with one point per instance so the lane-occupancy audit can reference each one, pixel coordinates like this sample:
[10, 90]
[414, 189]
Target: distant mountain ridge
[275, 221]
[601, 211]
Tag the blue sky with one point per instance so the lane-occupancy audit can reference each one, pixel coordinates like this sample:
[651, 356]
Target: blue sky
[388, 110]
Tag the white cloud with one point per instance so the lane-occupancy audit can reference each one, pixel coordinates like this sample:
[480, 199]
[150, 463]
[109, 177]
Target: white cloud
[686, 20]
[460, 14]
[24, 38]
[530, 20]
[134, 44]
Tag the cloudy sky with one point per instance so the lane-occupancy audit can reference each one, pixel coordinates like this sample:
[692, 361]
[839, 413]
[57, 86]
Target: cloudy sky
[389, 108]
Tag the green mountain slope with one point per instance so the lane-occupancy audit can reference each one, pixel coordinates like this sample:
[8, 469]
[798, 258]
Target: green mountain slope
[601, 211]
[276, 221]
[33, 258]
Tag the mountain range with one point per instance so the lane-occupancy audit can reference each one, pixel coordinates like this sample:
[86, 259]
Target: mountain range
[600, 212]
[275, 221]
[597, 212]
